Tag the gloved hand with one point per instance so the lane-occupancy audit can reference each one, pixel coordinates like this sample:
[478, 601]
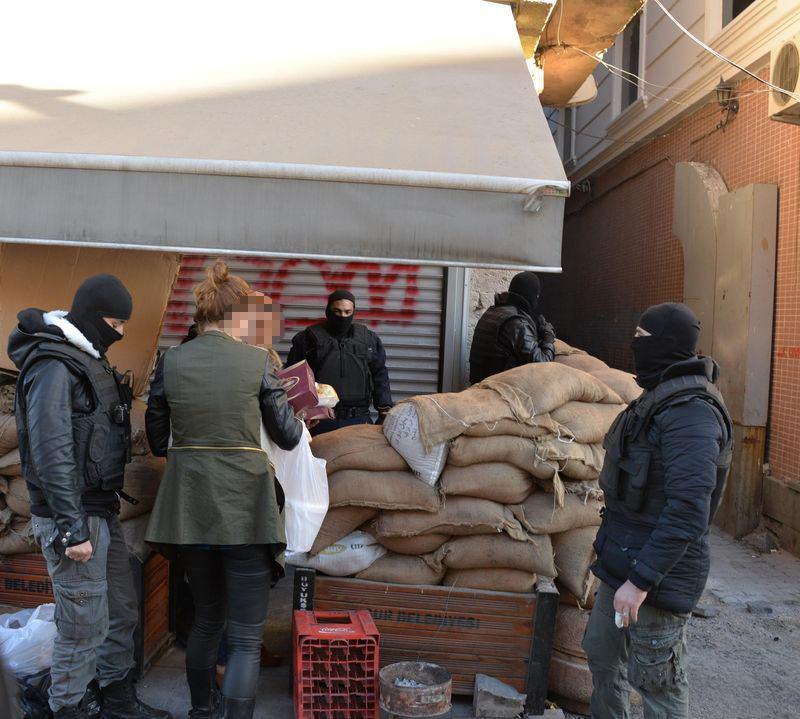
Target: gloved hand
[547, 333]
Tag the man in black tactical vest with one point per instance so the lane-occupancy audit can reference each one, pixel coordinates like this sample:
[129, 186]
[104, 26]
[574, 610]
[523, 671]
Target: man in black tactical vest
[348, 356]
[73, 421]
[507, 335]
[667, 459]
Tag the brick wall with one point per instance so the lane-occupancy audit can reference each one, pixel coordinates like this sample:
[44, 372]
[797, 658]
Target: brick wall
[620, 254]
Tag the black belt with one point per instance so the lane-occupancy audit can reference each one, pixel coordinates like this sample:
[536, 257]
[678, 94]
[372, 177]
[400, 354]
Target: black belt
[351, 412]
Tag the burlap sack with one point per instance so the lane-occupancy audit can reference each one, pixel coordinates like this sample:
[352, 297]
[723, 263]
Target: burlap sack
[339, 523]
[8, 433]
[540, 513]
[382, 490]
[570, 627]
[568, 598]
[571, 678]
[497, 481]
[458, 516]
[142, 479]
[573, 459]
[583, 362]
[17, 497]
[495, 580]
[563, 349]
[8, 392]
[525, 454]
[587, 422]
[360, 446]
[139, 444]
[499, 551]
[18, 538]
[622, 383]
[415, 546]
[574, 555]
[399, 569]
[542, 425]
[10, 464]
[584, 489]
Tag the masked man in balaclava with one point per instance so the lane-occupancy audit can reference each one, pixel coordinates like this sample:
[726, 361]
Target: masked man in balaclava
[510, 334]
[667, 459]
[348, 356]
[73, 422]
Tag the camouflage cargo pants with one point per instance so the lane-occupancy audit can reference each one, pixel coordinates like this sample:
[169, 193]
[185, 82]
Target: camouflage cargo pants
[649, 656]
[96, 611]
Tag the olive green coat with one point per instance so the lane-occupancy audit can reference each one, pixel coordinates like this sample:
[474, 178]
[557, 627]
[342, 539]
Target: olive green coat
[219, 485]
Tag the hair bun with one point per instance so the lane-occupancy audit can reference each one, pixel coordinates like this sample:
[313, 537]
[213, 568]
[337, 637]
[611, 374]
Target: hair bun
[218, 273]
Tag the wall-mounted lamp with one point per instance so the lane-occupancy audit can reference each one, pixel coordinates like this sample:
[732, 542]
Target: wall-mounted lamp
[727, 100]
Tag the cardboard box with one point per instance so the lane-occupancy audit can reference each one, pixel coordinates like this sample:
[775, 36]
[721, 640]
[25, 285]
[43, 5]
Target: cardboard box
[301, 389]
[46, 276]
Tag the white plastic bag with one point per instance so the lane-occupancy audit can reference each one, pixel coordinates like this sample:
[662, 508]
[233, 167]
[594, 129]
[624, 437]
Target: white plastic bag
[401, 428]
[26, 640]
[305, 484]
[351, 555]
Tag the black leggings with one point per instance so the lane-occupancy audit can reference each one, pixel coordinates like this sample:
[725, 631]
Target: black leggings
[231, 592]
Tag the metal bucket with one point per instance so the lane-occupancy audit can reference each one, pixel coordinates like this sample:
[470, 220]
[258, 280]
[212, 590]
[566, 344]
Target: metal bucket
[415, 689]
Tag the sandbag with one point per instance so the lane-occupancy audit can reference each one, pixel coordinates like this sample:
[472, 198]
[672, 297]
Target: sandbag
[139, 444]
[524, 454]
[382, 490]
[10, 464]
[340, 522]
[8, 433]
[359, 446]
[569, 599]
[562, 349]
[540, 513]
[134, 530]
[499, 551]
[458, 516]
[623, 383]
[421, 544]
[498, 481]
[400, 569]
[402, 428]
[574, 555]
[570, 627]
[350, 555]
[587, 422]
[571, 678]
[494, 580]
[142, 479]
[583, 362]
[17, 497]
[542, 425]
[18, 538]
[8, 392]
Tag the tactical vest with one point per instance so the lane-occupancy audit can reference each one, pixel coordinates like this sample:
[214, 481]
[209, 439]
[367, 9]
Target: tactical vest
[102, 436]
[632, 478]
[344, 364]
[486, 356]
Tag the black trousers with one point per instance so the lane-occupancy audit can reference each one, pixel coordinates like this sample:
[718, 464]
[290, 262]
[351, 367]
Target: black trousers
[230, 587]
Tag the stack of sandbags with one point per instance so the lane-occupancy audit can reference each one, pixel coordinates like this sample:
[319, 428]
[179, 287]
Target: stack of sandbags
[570, 678]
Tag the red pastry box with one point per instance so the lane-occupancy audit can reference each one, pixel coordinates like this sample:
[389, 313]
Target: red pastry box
[301, 389]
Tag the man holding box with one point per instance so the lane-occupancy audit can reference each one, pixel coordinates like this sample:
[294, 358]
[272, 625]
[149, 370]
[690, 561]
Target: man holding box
[349, 357]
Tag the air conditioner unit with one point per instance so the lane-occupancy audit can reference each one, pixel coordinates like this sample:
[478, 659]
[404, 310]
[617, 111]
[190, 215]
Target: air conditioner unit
[784, 71]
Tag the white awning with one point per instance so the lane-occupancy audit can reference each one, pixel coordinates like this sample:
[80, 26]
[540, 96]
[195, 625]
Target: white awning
[408, 131]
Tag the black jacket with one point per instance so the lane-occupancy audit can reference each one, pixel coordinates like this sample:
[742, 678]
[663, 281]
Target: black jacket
[664, 549]
[507, 336]
[304, 348]
[276, 413]
[53, 396]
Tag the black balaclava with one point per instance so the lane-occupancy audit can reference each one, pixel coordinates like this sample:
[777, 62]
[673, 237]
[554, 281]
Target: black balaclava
[339, 326]
[527, 286]
[674, 332]
[100, 296]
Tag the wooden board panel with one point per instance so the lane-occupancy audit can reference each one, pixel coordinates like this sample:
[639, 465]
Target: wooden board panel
[467, 631]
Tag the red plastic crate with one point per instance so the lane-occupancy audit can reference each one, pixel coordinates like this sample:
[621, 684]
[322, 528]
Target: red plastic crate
[335, 665]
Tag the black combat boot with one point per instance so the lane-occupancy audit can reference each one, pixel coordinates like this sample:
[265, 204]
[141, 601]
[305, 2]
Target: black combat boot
[120, 702]
[238, 708]
[91, 702]
[76, 712]
[206, 699]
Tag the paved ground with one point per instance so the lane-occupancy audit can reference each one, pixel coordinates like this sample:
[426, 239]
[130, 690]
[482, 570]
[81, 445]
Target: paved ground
[743, 665]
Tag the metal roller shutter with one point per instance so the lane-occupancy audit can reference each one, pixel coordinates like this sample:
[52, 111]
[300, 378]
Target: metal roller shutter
[402, 303]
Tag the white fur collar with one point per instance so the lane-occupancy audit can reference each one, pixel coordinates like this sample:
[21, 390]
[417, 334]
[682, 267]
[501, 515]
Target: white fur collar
[71, 332]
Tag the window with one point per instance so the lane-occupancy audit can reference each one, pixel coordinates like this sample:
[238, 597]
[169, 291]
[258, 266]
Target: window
[731, 9]
[630, 60]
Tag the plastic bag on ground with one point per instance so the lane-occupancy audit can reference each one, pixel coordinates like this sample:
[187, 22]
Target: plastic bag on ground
[401, 428]
[351, 555]
[305, 485]
[26, 640]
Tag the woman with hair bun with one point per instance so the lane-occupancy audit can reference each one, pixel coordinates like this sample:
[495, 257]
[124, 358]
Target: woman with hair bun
[217, 504]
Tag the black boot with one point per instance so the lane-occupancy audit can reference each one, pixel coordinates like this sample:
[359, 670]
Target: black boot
[120, 702]
[238, 708]
[76, 712]
[206, 700]
[91, 702]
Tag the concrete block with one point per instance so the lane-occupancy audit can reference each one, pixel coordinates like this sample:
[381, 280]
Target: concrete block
[496, 700]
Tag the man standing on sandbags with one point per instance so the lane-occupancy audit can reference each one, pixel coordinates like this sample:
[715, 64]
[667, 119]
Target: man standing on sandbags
[507, 335]
[667, 459]
[349, 357]
[73, 422]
